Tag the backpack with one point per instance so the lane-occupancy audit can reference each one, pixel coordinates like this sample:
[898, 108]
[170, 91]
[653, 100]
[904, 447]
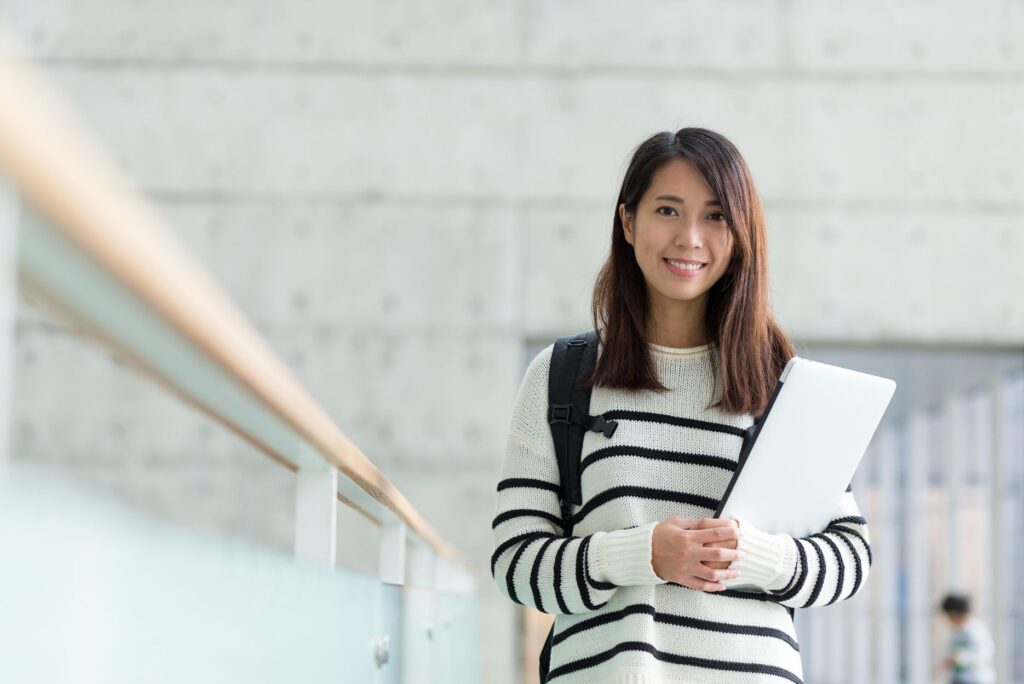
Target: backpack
[572, 358]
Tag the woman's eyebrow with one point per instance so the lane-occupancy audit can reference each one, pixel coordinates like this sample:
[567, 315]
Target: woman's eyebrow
[679, 200]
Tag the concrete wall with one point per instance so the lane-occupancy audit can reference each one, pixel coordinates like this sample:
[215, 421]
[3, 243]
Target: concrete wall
[401, 195]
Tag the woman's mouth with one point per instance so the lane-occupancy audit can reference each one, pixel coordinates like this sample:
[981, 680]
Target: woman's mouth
[684, 268]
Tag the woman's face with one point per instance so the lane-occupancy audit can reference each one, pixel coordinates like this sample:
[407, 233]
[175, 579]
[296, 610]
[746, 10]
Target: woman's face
[678, 221]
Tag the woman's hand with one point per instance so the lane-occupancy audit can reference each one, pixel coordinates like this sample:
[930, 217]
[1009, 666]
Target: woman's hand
[691, 552]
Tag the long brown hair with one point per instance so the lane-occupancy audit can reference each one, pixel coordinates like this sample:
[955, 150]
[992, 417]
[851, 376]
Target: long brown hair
[752, 349]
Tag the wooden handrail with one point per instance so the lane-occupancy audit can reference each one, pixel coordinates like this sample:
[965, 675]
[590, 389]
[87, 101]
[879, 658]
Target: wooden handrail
[55, 163]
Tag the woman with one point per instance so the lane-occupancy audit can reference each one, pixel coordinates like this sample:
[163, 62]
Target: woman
[689, 350]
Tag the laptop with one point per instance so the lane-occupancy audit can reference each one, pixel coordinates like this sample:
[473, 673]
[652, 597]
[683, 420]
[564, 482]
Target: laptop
[801, 454]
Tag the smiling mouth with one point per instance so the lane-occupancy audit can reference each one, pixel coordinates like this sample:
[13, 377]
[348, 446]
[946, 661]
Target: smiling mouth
[684, 268]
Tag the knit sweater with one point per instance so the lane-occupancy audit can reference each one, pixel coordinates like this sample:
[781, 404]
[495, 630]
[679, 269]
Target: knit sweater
[616, 620]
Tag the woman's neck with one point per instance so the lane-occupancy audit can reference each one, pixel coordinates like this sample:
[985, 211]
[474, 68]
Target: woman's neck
[681, 327]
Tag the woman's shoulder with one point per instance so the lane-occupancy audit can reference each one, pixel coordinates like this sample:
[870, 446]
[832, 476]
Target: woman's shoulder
[540, 365]
[529, 411]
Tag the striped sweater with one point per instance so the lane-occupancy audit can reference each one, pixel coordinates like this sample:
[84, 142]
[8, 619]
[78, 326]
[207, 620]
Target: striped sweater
[616, 621]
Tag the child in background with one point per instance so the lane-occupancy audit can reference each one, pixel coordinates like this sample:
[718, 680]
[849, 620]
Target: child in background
[970, 652]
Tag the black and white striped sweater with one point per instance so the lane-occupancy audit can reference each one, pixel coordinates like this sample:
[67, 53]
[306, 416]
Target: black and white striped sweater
[616, 621]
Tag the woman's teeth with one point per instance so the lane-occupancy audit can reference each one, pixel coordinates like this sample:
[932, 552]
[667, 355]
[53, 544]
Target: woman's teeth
[685, 267]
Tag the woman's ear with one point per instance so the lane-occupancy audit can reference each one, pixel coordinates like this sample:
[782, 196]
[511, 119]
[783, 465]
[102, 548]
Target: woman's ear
[627, 223]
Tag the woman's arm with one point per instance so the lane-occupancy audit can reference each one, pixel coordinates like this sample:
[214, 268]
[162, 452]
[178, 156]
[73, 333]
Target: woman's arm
[817, 570]
[533, 564]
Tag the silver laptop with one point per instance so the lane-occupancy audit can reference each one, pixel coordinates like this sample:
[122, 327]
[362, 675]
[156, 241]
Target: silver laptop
[802, 453]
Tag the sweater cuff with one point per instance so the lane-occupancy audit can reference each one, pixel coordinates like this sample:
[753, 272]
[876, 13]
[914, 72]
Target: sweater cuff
[623, 557]
[766, 560]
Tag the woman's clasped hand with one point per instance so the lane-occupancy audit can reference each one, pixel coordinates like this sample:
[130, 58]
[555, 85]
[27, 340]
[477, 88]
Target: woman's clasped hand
[696, 553]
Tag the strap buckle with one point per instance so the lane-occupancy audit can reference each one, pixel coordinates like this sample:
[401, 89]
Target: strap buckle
[606, 427]
[560, 413]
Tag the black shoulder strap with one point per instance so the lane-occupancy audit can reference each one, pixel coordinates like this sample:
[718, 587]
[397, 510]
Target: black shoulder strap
[569, 412]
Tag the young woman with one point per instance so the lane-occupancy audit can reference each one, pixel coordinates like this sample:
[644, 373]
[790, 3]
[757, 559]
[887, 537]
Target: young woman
[688, 356]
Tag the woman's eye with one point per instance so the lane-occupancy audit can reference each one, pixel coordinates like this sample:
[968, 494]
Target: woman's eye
[669, 208]
[720, 215]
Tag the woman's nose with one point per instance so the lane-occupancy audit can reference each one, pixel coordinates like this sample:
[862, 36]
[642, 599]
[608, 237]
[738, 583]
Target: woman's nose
[689, 234]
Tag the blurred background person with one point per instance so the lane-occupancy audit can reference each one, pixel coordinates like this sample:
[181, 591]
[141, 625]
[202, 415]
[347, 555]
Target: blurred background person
[970, 651]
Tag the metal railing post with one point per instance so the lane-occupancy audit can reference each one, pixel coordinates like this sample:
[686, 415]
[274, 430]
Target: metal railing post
[391, 555]
[418, 628]
[316, 515]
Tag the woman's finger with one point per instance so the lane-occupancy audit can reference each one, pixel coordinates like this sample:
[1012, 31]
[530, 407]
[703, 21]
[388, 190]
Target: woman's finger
[707, 523]
[684, 523]
[714, 534]
[712, 575]
[708, 553]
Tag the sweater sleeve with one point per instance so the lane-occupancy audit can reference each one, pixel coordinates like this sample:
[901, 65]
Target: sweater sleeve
[532, 563]
[817, 570]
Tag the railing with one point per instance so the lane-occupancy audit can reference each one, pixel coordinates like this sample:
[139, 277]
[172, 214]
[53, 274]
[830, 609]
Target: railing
[95, 249]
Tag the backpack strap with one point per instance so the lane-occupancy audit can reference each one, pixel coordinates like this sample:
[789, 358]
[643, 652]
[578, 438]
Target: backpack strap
[572, 358]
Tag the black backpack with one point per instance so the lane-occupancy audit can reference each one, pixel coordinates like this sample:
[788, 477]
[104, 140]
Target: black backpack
[572, 358]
